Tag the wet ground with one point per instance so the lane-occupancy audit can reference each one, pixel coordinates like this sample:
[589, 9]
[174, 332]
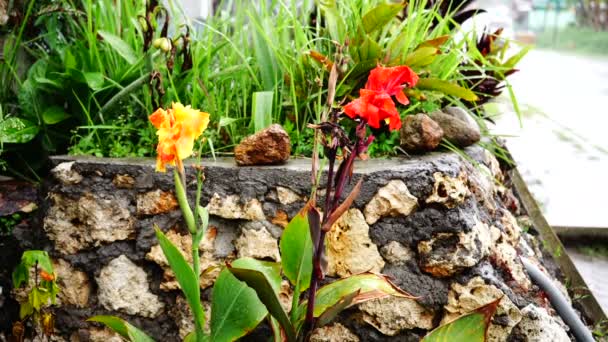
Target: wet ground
[561, 145]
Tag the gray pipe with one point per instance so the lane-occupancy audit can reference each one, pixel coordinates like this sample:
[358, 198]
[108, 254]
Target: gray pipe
[561, 305]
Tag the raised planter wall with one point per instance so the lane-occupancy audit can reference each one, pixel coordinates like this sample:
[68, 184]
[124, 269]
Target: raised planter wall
[445, 230]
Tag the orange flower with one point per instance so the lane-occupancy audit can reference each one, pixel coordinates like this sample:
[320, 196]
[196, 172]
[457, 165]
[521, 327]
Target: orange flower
[178, 127]
[374, 107]
[47, 276]
[392, 80]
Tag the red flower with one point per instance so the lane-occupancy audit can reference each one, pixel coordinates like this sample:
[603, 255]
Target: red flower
[375, 104]
[374, 107]
[391, 80]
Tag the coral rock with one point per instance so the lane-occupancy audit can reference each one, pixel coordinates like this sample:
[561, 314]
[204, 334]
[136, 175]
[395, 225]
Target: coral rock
[266, 147]
[393, 199]
[287, 196]
[78, 224]
[123, 181]
[335, 332]
[231, 207]
[449, 191]
[349, 248]
[74, 285]
[123, 286]
[259, 244]
[156, 202]
[458, 132]
[505, 256]
[396, 253]
[448, 253]
[391, 315]
[65, 174]
[463, 299]
[420, 133]
[538, 326]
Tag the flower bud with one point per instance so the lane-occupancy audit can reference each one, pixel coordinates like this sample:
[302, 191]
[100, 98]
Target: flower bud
[165, 45]
[143, 24]
[156, 43]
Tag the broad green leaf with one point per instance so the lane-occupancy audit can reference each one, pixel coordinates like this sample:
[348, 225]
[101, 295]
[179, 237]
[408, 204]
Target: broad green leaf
[333, 311]
[380, 15]
[31, 257]
[447, 88]
[25, 309]
[235, 309]
[333, 20]
[515, 59]
[296, 251]
[123, 328]
[368, 50]
[471, 327]
[261, 110]
[94, 80]
[264, 278]
[263, 52]
[370, 286]
[21, 275]
[53, 115]
[120, 46]
[17, 131]
[422, 56]
[184, 274]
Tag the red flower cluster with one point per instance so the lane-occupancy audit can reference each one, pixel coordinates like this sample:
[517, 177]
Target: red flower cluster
[375, 103]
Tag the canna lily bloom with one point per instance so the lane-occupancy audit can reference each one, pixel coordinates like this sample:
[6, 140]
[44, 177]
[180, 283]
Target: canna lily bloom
[178, 127]
[47, 276]
[391, 81]
[374, 107]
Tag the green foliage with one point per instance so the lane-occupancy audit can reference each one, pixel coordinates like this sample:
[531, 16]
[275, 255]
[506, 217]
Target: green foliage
[7, 223]
[296, 252]
[471, 327]
[123, 328]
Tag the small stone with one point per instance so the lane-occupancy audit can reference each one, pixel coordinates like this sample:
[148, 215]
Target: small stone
[88, 221]
[259, 244]
[538, 326]
[392, 315]
[287, 196]
[456, 131]
[449, 253]
[505, 256]
[393, 199]
[266, 147]
[463, 299]
[420, 133]
[349, 247]
[230, 207]
[123, 181]
[156, 202]
[449, 191]
[64, 173]
[335, 332]
[396, 253]
[123, 286]
[463, 115]
[74, 285]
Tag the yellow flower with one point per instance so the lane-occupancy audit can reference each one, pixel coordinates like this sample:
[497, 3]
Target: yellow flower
[178, 127]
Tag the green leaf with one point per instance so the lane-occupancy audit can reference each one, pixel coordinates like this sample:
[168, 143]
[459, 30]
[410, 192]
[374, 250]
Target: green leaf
[235, 309]
[333, 20]
[333, 311]
[94, 80]
[265, 279]
[21, 275]
[263, 52]
[25, 309]
[369, 50]
[515, 59]
[447, 88]
[120, 46]
[17, 131]
[53, 115]
[261, 110]
[370, 286]
[184, 274]
[31, 257]
[38, 297]
[422, 56]
[123, 328]
[471, 327]
[226, 121]
[380, 15]
[297, 250]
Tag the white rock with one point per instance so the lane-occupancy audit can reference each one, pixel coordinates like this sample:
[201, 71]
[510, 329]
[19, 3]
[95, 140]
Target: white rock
[392, 315]
[156, 202]
[230, 207]
[64, 173]
[449, 191]
[349, 248]
[463, 299]
[393, 199]
[259, 244]
[396, 253]
[123, 286]
[538, 326]
[74, 285]
[287, 196]
[507, 257]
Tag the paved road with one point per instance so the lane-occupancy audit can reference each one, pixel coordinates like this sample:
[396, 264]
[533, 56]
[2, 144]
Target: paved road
[562, 148]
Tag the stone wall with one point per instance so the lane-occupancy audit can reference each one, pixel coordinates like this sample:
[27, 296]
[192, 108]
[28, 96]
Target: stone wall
[445, 230]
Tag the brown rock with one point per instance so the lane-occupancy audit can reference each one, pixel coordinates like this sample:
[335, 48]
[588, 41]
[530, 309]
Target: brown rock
[455, 130]
[449, 191]
[156, 202]
[266, 147]
[74, 285]
[258, 244]
[392, 315]
[335, 332]
[123, 181]
[420, 133]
